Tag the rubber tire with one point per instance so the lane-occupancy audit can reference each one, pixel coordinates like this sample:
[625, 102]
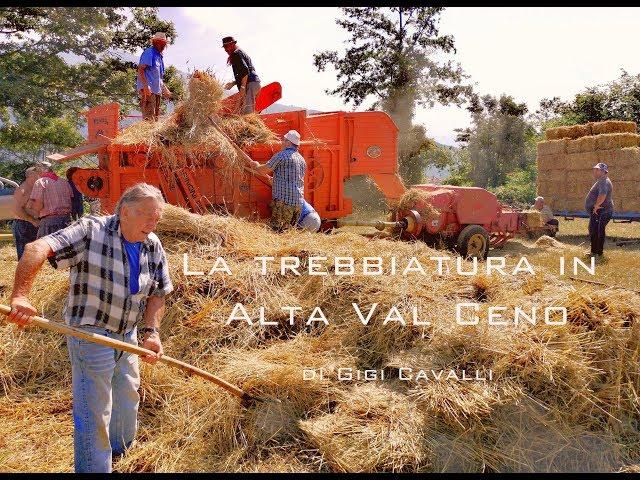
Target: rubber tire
[465, 235]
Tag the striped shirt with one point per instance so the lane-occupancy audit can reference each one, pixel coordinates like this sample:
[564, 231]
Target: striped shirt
[288, 176]
[92, 248]
[56, 196]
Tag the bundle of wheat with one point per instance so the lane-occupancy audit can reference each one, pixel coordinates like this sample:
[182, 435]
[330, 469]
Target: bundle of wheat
[194, 128]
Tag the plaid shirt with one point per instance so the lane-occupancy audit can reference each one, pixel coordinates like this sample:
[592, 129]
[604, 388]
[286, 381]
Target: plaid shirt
[99, 295]
[288, 176]
[56, 195]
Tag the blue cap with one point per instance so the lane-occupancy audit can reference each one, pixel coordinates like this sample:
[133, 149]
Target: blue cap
[602, 166]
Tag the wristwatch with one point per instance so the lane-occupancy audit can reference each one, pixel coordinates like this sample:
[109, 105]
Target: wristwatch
[149, 330]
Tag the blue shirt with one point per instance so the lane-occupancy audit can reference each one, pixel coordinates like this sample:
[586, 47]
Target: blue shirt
[288, 176]
[306, 210]
[153, 71]
[133, 255]
[603, 186]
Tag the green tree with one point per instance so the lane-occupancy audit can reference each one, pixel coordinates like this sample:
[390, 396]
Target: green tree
[500, 140]
[616, 100]
[55, 62]
[394, 56]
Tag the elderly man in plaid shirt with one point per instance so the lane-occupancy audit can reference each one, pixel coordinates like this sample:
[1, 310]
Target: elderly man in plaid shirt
[119, 277]
[287, 191]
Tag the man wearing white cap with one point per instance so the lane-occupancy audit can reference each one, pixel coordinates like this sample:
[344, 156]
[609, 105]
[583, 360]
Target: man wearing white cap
[545, 212]
[287, 192]
[149, 84]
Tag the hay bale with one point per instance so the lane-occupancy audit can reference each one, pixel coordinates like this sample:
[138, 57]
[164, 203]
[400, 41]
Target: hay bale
[610, 141]
[581, 162]
[552, 184]
[582, 144]
[568, 132]
[613, 126]
[626, 204]
[532, 218]
[550, 163]
[627, 188]
[552, 147]
[578, 185]
[574, 204]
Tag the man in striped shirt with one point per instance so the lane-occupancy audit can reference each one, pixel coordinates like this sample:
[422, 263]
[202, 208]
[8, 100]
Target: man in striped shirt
[287, 191]
[50, 202]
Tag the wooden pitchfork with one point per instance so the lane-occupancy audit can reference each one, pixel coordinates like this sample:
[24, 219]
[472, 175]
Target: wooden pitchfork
[246, 398]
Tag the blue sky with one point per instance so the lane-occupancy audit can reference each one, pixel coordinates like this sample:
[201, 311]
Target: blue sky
[530, 53]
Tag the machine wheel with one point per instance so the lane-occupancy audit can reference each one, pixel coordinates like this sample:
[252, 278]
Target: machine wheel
[473, 241]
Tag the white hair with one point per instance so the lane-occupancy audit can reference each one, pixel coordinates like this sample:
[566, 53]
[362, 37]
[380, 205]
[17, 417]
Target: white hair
[137, 193]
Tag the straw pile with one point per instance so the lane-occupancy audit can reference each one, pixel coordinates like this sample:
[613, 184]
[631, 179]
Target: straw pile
[566, 158]
[190, 128]
[562, 397]
[419, 200]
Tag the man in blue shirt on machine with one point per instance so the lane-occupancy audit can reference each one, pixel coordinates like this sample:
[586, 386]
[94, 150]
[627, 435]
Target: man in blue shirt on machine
[149, 85]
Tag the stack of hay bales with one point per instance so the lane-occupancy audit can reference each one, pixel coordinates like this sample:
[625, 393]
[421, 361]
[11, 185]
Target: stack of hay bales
[567, 155]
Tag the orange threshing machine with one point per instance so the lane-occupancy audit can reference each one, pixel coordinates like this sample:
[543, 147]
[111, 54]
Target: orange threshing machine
[336, 145]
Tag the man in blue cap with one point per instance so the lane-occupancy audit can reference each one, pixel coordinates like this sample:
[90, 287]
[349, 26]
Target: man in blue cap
[599, 205]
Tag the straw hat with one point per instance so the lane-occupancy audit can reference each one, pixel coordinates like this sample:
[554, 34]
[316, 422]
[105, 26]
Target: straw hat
[159, 37]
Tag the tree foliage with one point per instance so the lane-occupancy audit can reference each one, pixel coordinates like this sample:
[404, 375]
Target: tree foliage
[55, 62]
[394, 56]
[616, 100]
[500, 140]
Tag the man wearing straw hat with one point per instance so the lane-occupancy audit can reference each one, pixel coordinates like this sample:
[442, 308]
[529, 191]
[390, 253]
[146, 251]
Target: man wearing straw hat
[287, 191]
[599, 205]
[246, 78]
[149, 84]
[119, 277]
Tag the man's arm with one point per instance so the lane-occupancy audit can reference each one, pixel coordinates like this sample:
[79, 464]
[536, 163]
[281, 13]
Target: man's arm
[599, 201]
[33, 207]
[146, 90]
[260, 167]
[153, 313]
[35, 254]
[20, 203]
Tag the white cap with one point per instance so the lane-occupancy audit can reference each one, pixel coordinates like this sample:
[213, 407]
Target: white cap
[540, 198]
[159, 36]
[293, 136]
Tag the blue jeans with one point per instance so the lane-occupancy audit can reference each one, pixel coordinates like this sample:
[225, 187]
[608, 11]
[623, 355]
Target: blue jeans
[23, 232]
[105, 399]
[53, 224]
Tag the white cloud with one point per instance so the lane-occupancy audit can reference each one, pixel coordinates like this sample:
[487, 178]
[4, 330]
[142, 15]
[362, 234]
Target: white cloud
[530, 53]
